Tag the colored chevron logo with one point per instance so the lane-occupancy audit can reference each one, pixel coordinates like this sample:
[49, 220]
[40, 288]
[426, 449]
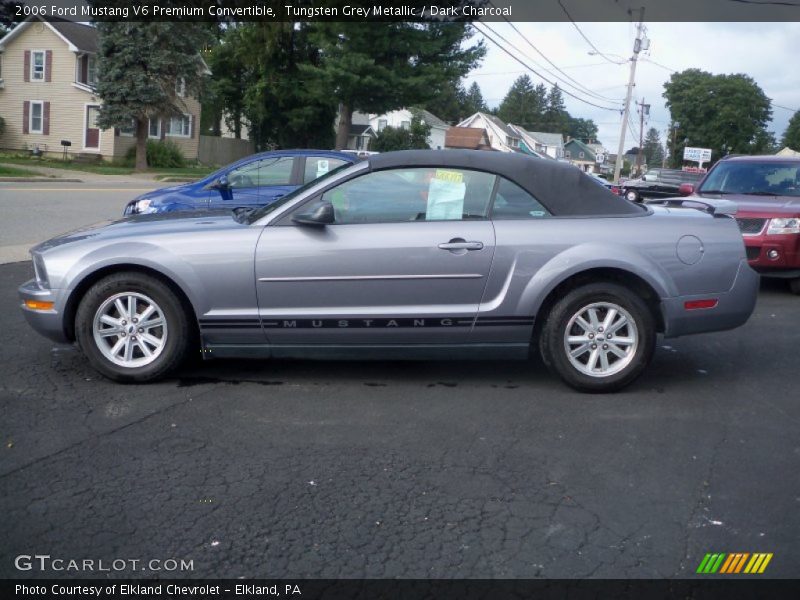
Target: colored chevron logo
[734, 563]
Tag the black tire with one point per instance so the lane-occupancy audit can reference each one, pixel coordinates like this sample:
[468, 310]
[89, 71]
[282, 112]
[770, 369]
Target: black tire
[633, 196]
[794, 285]
[552, 342]
[178, 327]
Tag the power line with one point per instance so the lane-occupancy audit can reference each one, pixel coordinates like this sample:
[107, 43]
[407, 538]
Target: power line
[532, 70]
[583, 35]
[578, 85]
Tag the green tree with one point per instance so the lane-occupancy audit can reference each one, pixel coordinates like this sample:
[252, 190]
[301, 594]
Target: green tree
[381, 66]
[791, 137]
[521, 105]
[582, 129]
[473, 101]
[398, 138]
[652, 149]
[556, 116]
[139, 67]
[727, 113]
[448, 104]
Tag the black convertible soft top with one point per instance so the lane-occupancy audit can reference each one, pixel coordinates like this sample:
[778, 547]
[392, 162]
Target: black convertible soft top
[561, 187]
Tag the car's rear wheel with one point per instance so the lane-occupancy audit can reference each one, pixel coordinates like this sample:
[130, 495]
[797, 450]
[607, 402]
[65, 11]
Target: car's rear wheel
[132, 327]
[632, 196]
[598, 337]
[794, 285]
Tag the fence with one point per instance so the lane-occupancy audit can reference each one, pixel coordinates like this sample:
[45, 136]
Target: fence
[221, 151]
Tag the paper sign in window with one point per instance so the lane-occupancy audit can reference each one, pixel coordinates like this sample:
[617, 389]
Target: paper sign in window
[446, 196]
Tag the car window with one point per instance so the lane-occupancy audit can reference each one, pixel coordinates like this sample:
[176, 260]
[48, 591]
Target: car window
[317, 166]
[739, 177]
[260, 173]
[512, 202]
[411, 194]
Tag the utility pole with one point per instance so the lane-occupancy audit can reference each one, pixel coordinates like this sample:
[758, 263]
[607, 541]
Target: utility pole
[637, 47]
[643, 112]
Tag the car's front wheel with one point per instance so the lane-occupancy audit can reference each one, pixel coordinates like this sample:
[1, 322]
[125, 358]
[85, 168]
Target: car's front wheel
[632, 196]
[132, 327]
[599, 337]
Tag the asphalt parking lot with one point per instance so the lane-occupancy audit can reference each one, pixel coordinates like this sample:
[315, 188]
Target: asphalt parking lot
[433, 469]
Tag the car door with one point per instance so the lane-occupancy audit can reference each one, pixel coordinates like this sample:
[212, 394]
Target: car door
[258, 182]
[405, 261]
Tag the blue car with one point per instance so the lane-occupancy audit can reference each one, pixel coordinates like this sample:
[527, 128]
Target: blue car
[254, 181]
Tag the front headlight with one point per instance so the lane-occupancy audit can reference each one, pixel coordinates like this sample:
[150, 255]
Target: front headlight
[784, 225]
[39, 271]
[143, 207]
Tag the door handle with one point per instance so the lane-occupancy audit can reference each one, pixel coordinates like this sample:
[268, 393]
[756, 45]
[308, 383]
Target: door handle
[461, 245]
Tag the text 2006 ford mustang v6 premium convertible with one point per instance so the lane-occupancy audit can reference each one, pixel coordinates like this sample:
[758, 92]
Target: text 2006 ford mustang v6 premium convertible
[419, 254]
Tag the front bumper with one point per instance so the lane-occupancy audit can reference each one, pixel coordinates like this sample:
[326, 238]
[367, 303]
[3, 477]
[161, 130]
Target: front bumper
[49, 323]
[774, 255]
[733, 307]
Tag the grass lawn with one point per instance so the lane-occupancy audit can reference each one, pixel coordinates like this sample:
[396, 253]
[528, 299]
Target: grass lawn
[15, 172]
[101, 168]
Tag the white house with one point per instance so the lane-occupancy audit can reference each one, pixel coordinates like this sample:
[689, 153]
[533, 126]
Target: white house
[546, 144]
[501, 136]
[402, 119]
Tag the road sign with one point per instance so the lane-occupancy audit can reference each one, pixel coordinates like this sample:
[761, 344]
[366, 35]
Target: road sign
[700, 155]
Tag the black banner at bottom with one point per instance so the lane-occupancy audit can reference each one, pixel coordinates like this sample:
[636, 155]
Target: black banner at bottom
[403, 589]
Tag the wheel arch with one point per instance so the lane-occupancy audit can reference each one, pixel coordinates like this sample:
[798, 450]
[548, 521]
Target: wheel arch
[627, 278]
[89, 279]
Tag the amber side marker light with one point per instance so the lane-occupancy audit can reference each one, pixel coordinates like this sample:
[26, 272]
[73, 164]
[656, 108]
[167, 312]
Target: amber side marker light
[696, 304]
[39, 305]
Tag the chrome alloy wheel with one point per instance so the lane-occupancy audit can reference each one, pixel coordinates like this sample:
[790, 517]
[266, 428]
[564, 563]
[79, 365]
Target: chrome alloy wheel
[601, 339]
[130, 329]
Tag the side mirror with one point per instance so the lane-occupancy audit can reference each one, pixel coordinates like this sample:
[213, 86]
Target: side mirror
[322, 215]
[686, 189]
[222, 183]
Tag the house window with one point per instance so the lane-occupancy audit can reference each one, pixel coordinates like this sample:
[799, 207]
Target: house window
[91, 70]
[35, 125]
[180, 87]
[154, 128]
[581, 155]
[37, 65]
[382, 123]
[130, 130]
[179, 126]
[513, 142]
[405, 124]
[567, 154]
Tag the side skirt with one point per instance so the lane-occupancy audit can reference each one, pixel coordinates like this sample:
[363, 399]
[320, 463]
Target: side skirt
[515, 351]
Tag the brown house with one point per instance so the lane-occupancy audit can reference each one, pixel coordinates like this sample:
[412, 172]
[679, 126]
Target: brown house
[48, 73]
[468, 138]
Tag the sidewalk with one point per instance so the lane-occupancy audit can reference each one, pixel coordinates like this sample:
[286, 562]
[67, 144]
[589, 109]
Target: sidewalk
[72, 175]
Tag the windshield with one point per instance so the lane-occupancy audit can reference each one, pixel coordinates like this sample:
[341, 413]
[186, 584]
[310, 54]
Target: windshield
[756, 178]
[265, 210]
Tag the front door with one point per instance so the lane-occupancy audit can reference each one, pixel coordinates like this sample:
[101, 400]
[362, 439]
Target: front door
[405, 262]
[92, 138]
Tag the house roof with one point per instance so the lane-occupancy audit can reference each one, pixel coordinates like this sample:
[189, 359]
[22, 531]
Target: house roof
[357, 129]
[497, 122]
[470, 138]
[78, 37]
[583, 147]
[431, 119]
[83, 37]
[548, 139]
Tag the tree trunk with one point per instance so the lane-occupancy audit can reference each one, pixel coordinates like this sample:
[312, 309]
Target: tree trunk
[345, 120]
[142, 130]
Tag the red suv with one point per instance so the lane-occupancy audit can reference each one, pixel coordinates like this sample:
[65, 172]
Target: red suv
[767, 190]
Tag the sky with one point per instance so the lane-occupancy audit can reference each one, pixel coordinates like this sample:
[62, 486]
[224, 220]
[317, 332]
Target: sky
[767, 52]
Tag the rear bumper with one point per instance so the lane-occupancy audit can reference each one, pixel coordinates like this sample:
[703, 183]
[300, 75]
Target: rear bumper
[49, 323]
[733, 307]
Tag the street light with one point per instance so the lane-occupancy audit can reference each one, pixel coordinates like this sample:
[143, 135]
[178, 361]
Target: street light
[605, 54]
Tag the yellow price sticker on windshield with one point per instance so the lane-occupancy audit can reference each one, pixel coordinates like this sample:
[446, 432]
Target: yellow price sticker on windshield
[450, 176]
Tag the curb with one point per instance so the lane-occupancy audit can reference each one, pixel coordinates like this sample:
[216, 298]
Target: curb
[39, 180]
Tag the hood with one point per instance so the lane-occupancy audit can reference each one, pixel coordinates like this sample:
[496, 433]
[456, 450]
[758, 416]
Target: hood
[773, 205]
[145, 226]
[165, 191]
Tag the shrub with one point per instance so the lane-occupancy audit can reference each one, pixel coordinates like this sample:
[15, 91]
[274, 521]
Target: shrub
[160, 155]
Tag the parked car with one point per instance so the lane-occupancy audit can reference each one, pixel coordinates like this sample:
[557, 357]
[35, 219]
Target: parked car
[254, 181]
[658, 183]
[427, 254]
[609, 185]
[767, 192]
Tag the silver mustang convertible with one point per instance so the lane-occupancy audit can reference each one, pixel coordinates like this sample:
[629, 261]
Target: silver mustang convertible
[419, 254]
